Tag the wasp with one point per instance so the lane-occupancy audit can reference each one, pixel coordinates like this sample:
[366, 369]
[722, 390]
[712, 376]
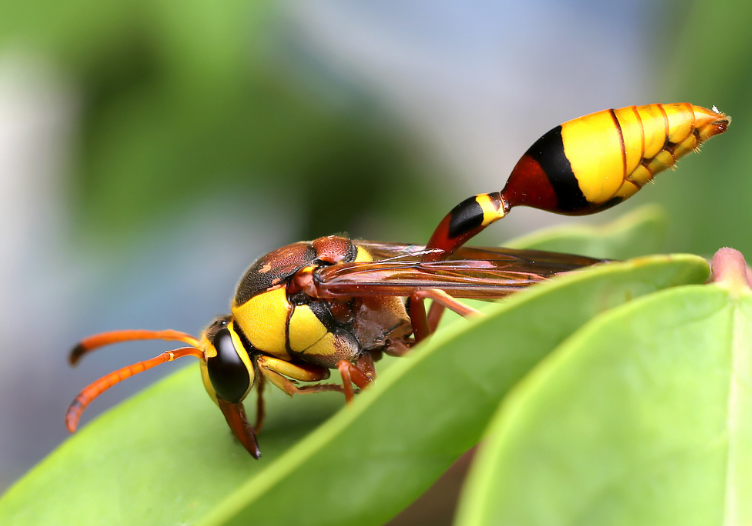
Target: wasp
[336, 303]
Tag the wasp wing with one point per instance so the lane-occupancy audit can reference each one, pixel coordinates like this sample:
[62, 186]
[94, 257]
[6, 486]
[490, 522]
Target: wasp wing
[471, 272]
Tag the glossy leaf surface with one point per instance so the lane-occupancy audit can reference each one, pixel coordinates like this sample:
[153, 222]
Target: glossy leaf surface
[638, 233]
[642, 417]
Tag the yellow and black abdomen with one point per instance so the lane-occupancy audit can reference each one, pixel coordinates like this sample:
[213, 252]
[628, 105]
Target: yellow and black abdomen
[584, 166]
[596, 161]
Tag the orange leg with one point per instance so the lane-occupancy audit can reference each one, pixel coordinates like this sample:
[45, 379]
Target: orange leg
[444, 299]
[434, 315]
[416, 309]
[424, 325]
[360, 373]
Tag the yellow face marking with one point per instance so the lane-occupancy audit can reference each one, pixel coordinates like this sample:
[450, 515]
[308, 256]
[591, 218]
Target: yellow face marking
[326, 346]
[594, 149]
[490, 213]
[206, 347]
[207, 381]
[363, 256]
[305, 328]
[243, 355]
[263, 319]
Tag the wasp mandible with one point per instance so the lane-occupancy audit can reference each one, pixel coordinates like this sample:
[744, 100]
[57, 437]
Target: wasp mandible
[309, 307]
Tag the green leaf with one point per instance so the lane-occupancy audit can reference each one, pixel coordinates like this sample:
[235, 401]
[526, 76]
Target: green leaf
[642, 417]
[638, 233]
[166, 457]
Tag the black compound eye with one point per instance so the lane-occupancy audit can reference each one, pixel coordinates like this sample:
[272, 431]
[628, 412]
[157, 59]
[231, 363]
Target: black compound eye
[227, 371]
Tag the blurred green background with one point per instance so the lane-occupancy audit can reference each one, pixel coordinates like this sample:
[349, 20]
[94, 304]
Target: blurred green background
[150, 151]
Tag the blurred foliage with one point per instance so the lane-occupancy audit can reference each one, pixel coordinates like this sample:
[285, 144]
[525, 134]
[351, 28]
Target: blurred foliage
[707, 59]
[181, 101]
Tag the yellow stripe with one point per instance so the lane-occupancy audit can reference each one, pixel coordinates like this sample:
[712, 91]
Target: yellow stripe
[688, 145]
[594, 149]
[326, 346]
[661, 162]
[207, 381]
[681, 120]
[627, 190]
[263, 319]
[240, 348]
[490, 213]
[363, 256]
[641, 176]
[305, 328]
[654, 124]
[634, 141]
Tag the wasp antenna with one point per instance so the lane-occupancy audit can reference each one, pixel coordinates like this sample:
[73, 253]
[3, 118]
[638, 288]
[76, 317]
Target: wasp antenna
[93, 390]
[96, 341]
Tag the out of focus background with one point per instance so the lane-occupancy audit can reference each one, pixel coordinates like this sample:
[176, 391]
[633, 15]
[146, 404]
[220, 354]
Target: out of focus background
[150, 151]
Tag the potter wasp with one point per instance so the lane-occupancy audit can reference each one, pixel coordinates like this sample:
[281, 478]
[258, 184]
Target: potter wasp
[309, 307]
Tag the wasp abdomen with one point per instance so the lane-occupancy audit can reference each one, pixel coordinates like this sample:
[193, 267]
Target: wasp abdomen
[599, 160]
[584, 166]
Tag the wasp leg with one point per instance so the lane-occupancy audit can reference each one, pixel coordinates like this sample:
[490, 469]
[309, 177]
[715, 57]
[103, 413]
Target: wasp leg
[274, 369]
[416, 309]
[360, 373]
[424, 325]
[260, 412]
[444, 299]
[434, 315]
[366, 365]
[397, 347]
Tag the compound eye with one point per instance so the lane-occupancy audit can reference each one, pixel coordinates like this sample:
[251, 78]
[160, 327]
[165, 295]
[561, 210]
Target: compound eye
[228, 372]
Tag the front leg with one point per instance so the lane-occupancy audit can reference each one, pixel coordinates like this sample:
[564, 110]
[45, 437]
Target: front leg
[273, 370]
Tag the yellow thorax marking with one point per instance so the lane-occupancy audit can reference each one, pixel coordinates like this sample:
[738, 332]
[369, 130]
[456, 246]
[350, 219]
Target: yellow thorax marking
[305, 328]
[324, 347]
[363, 256]
[263, 319]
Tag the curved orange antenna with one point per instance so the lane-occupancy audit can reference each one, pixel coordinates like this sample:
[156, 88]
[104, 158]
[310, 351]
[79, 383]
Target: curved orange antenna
[91, 391]
[106, 338]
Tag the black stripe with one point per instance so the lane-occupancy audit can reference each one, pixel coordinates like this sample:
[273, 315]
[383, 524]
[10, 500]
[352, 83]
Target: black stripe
[617, 124]
[247, 345]
[548, 151]
[352, 252]
[321, 310]
[465, 217]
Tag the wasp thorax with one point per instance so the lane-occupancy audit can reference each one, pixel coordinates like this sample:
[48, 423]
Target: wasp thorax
[263, 308]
